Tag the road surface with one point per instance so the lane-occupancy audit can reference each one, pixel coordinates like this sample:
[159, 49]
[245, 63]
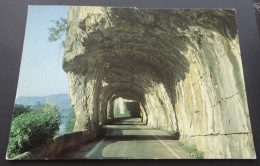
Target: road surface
[130, 139]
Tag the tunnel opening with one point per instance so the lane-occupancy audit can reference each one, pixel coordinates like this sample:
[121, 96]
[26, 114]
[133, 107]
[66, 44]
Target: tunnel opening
[134, 109]
[126, 108]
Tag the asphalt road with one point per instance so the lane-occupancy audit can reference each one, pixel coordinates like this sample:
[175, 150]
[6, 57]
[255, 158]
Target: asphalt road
[130, 139]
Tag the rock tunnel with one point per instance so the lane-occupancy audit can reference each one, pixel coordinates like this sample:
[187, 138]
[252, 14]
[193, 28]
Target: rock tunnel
[183, 67]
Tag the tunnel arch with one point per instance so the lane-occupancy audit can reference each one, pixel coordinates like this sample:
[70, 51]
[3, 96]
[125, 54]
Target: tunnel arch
[139, 96]
[110, 93]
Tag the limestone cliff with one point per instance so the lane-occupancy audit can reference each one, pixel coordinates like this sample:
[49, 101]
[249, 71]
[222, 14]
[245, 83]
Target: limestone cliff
[182, 66]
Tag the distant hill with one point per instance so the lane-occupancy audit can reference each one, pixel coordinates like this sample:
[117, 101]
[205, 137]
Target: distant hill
[62, 100]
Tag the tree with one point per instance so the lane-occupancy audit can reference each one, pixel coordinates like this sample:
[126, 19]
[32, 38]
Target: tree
[20, 109]
[38, 106]
[58, 31]
[51, 108]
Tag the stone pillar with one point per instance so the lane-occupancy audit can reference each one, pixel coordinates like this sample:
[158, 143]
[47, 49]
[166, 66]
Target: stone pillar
[103, 112]
[84, 90]
[120, 105]
[143, 113]
[110, 108]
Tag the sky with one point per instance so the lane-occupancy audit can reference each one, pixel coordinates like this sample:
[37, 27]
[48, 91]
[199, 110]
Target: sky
[41, 72]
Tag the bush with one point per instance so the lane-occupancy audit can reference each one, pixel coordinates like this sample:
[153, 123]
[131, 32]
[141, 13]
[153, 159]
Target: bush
[29, 131]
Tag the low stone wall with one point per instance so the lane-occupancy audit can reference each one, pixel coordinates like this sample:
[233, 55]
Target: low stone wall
[59, 145]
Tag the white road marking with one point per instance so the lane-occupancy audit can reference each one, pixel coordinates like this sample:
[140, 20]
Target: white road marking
[94, 150]
[161, 141]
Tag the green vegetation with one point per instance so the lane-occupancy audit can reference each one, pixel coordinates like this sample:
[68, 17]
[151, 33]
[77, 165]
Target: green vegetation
[71, 121]
[51, 108]
[58, 31]
[118, 115]
[21, 109]
[192, 151]
[31, 130]
[33, 126]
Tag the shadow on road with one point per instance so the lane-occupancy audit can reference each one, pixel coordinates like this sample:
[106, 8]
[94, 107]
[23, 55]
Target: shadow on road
[139, 137]
[120, 132]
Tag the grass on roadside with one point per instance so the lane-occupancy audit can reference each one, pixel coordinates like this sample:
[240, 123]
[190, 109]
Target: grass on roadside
[192, 151]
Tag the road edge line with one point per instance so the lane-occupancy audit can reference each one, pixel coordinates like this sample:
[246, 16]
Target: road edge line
[96, 147]
[162, 142]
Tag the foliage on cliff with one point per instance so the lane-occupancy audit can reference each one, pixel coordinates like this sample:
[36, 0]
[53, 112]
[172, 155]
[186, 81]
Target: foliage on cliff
[58, 31]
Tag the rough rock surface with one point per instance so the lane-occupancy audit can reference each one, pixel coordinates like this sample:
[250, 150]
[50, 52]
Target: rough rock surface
[119, 105]
[182, 66]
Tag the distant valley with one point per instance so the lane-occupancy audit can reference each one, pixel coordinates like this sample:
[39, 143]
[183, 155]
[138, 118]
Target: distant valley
[62, 100]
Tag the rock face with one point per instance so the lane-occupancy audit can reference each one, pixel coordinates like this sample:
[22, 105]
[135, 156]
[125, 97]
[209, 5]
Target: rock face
[182, 66]
[119, 105]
